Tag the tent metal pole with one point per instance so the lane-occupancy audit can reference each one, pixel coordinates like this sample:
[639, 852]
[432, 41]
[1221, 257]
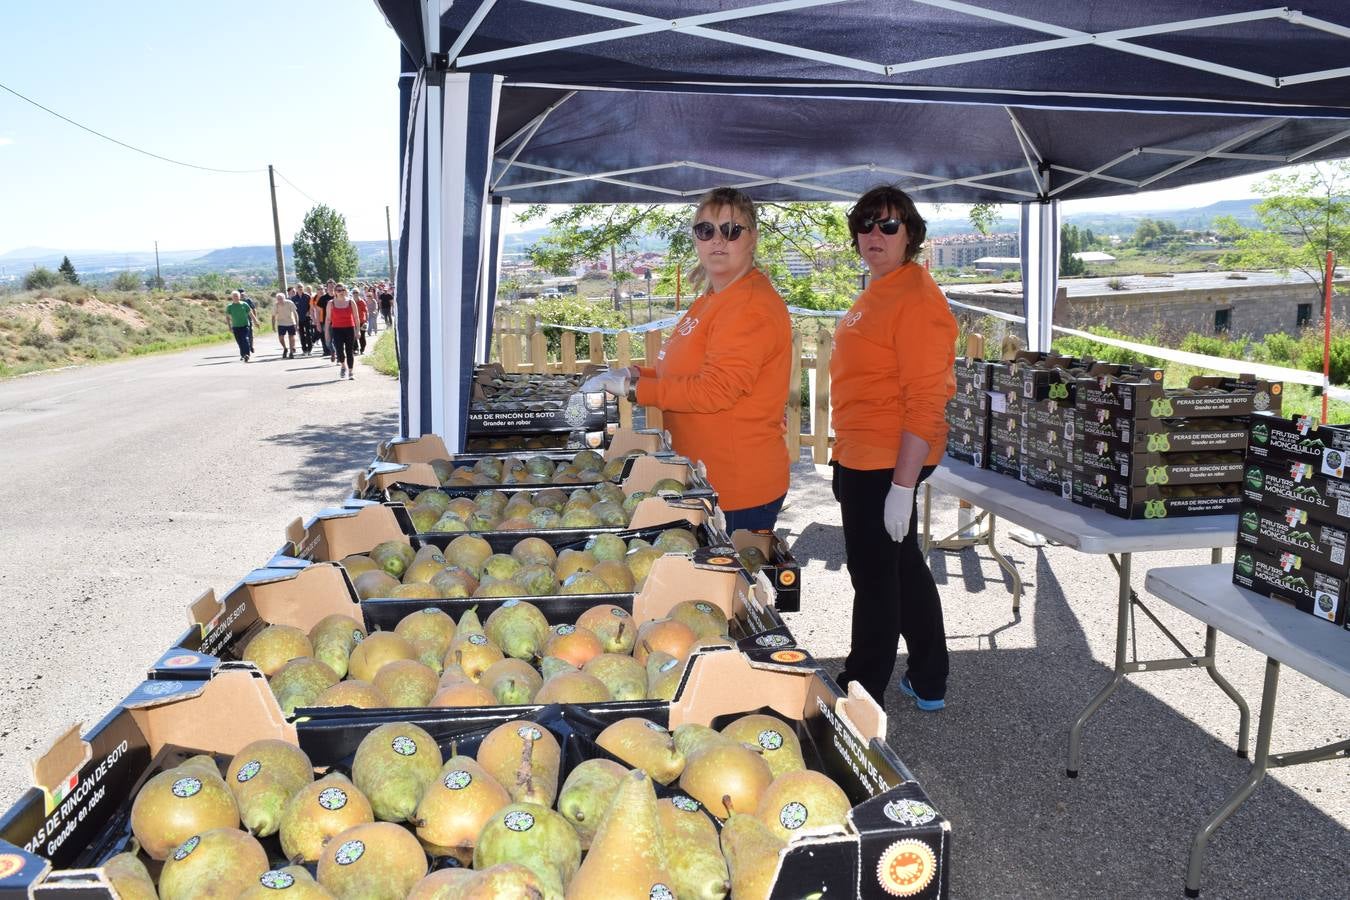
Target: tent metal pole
[1040, 269]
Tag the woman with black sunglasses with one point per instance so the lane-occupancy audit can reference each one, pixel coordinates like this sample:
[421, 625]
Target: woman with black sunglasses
[721, 378]
[891, 377]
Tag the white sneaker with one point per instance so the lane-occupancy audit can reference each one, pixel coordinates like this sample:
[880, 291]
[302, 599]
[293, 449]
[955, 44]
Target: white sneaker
[342, 373]
[351, 376]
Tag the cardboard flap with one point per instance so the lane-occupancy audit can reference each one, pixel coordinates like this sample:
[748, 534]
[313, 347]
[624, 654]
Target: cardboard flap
[360, 484]
[705, 696]
[648, 470]
[233, 709]
[418, 450]
[382, 450]
[975, 345]
[205, 608]
[420, 474]
[656, 511]
[674, 578]
[861, 713]
[295, 532]
[306, 597]
[338, 533]
[627, 440]
[66, 756]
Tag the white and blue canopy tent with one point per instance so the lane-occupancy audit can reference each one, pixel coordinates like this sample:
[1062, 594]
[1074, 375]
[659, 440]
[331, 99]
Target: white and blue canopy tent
[1026, 101]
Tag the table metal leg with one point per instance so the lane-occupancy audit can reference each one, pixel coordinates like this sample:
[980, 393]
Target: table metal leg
[1258, 773]
[1123, 598]
[1005, 564]
[955, 541]
[1244, 713]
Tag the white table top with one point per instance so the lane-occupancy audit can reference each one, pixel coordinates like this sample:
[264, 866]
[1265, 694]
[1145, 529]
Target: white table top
[1296, 639]
[1080, 527]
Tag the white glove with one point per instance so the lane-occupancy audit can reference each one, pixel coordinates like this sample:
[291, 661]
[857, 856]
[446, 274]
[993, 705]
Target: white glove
[613, 381]
[899, 507]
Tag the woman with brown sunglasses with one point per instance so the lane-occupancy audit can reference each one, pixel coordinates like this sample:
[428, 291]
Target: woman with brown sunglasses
[891, 377]
[721, 378]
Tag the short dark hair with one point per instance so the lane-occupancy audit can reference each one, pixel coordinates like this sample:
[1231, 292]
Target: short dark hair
[876, 202]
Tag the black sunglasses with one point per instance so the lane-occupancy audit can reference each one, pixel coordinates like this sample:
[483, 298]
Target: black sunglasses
[732, 231]
[888, 226]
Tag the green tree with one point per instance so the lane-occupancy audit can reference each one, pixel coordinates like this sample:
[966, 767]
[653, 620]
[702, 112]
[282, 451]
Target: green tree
[322, 248]
[67, 271]
[1303, 213]
[126, 281]
[1070, 242]
[41, 278]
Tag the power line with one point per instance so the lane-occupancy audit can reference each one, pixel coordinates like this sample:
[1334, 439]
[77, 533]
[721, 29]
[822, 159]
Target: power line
[277, 172]
[166, 159]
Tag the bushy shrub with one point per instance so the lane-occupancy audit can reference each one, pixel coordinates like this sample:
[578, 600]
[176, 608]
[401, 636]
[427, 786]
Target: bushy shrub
[126, 281]
[578, 313]
[1073, 345]
[41, 278]
[1209, 345]
[1277, 349]
[1310, 357]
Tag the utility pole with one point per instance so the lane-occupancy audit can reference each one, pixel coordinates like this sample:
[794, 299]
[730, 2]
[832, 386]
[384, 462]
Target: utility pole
[276, 232]
[389, 242]
[614, 274]
[159, 279]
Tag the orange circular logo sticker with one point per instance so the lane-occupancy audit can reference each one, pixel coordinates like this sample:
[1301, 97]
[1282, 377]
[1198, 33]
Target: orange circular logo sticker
[1275, 388]
[788, 656]
[720, 560]
[906, 868]
[9, 864]
[178, 661]
[787, 579]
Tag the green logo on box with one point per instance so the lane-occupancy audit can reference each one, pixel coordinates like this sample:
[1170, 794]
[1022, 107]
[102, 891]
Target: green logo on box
[1059, 392]
[1245, 564]
[1158, 443]
[1155, 509]
[1256, 479]
[1161, 408]
[1156, 475]
[1250, 521]
[1260, 432]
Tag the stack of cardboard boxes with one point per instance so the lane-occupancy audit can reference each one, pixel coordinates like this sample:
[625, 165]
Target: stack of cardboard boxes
[1295, 518]
[968, 413]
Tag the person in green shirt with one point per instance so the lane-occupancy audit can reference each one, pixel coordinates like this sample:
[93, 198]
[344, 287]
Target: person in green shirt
[241, 318]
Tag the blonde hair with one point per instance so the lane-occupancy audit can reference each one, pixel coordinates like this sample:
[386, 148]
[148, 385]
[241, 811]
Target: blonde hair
[716, 198]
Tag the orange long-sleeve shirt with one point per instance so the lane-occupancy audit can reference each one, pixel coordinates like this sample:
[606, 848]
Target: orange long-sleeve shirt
[721, 381]
[892, 370]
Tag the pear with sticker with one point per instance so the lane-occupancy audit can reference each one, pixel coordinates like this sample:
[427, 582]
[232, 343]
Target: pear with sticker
[394, 766]
[776, 740]
[222, 862]
[697, 868]
[179, 803]
[378, 861]
[627, 857]
[456, 807]
[525, 758]
[320, 810]
[263, 777]
[535, 837]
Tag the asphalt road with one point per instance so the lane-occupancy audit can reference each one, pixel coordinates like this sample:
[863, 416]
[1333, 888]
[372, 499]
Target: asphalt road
[135, 486]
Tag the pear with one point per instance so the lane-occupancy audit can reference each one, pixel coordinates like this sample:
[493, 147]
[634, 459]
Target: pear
[446, 884]
[294, 881]
[576, 645]
[533, 836]
[300, 682]
[692, 738]
[406, 682]
[177, 804]
[376, 650]
[664, 673]
[525, 758]
[606, 546]
[264, 776]
[533, 550]
[424, 567]
[538, 581]
[802, 802]
[376, 583]
[623, 676]
[512, 681]
[222, 862]
[571, 562]
[752, 854]
[698, 870]
[587, 793]
[393, 557]
[468, 551]
[615, 575]
[129, 878]
[334, 638]
[722, 770]
[360, 694]
[320, 810]
[552, 666]
[627, 858]
[394, 764]
[639, 562]
[454, 582]
[501, 566]
[463, 693]
[378, 861]
[676, 540]
[613, 625]
[274, 646]
[582, 583]
[666, 635]
[707, 620]
[519, 628]
[573, 687]
[431, 625]
[473, 652]
[774, 737]
[355, 564]
[416, 590]
[456, 807]
[646, 745]
[501, 880]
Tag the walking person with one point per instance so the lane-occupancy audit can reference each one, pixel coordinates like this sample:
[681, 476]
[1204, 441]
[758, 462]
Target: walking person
[362, 313]
[386, 297]
[241, 318]
[323, 324]
[253, 307]
[303, 326]
[343, 323]
[285, 318]
[373, 326]
[890, 379]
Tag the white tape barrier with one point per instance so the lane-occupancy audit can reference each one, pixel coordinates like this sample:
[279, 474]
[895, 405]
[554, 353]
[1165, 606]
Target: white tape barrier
[1198, 360]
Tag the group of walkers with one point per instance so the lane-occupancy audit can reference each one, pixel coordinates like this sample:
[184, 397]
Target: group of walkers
[333, 317]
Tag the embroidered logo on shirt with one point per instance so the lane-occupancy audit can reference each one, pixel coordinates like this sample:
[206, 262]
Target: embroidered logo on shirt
[686, 326]
[852, 319]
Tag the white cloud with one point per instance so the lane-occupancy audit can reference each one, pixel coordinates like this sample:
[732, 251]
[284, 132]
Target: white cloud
[5, 141]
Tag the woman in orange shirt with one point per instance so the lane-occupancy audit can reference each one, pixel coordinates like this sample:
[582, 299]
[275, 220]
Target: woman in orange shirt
[891, 377]
[721, 378]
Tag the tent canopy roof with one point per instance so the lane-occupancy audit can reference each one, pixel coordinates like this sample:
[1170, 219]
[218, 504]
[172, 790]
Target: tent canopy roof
[984, 100]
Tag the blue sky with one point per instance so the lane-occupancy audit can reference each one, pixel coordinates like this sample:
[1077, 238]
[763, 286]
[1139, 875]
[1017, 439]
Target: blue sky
[309, 86]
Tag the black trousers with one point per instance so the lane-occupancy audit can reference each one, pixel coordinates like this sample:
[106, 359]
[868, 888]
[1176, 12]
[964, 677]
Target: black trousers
[893, 591]
[344, 340]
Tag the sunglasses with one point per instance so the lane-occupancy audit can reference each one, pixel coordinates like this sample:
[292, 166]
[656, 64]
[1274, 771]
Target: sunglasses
[732, 231]
[888, 226]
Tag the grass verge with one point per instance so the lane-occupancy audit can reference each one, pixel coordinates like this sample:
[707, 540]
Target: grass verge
[383, 357]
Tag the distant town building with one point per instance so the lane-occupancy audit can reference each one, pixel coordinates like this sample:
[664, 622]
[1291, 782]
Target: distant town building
[1094, 256]
[999, 263]
[957, 251]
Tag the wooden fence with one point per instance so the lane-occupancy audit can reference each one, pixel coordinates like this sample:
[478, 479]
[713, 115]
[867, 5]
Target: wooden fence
[520, 345]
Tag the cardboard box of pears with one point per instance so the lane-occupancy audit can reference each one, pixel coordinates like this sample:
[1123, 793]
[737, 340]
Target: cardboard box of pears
[441, 492]
[536, 407]
[780, 787]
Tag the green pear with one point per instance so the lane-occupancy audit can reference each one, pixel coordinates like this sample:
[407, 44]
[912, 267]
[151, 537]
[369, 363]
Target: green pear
[627, 857]
[334, 639]
[129, 878]
[587, 793]
[698, 870]
[431, 625]
[394, 764]
[222, 862]
[456, 807]
[676, 540]
[319, 811]
[518, 628]
[606, 546]
[692, 738]
[533, 836]
[525, 758]
[407, 682]
[377, 861]
[706, 619]
[801, 802]
[625, 677]
[276, 645]
[645, 745]
[300, 682]
[776, 739]
[751, 851]
[264, 776]
[664, 673]
[512, 681]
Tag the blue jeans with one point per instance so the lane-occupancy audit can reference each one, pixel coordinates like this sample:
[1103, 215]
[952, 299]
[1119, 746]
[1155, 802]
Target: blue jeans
[754, 518]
